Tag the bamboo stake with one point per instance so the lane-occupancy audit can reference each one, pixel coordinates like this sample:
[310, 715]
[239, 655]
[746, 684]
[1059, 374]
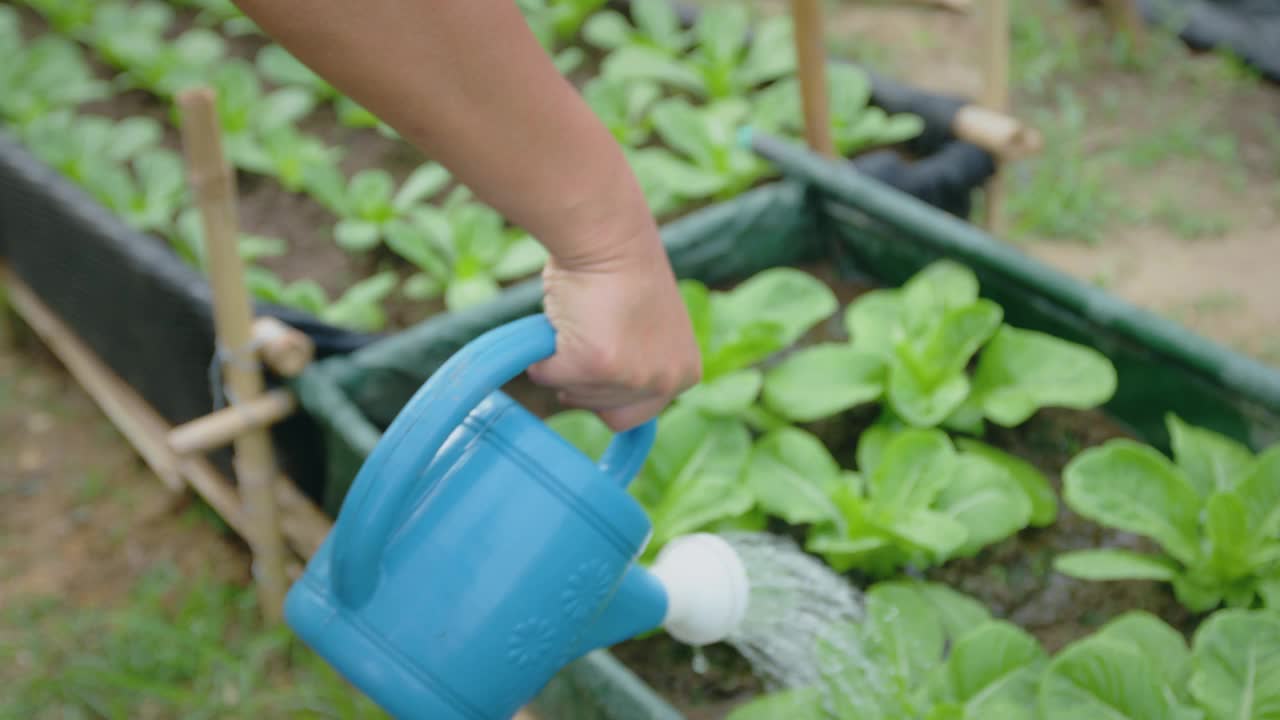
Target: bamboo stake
[214, 184]
[998, 133]
[995, 95]
[811, 67]
[284, 349]
[223, 426]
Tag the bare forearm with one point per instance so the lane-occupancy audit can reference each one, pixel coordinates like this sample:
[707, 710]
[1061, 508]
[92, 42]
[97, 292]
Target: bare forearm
[467, 83]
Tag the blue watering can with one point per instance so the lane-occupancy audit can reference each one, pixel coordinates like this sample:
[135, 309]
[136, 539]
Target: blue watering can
[478, 552]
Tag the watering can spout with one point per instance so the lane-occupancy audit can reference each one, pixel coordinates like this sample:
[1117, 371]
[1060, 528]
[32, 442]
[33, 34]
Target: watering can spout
[639, 605]
[697, 590]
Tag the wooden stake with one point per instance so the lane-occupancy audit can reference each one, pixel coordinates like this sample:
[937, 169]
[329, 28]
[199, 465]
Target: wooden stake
[995, 95]
[220, 427]
[811, 67]
[284, 349]
[998, 133]
[214, 185]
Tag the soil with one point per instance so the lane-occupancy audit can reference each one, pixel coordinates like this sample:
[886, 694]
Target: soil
[81, 518]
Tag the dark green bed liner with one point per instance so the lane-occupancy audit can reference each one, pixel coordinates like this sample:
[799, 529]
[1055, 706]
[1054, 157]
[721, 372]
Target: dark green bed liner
[823, 210]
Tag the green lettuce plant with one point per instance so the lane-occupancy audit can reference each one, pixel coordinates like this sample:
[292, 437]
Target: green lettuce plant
[370, 202]
[624, 107]
[653, 25]
[916, 500]
[1137, 667]
[926, 651]
[721, 64]
[68, 17]
[1214, 509]
[918, 497]
[856, 125]
[93, 151]
[463, 250]
[187, 239]
[923, 651]
[911, 347]
[301, 162]
[49, 73]
[705, 160]
[247, 113]
[553, 23]
[128, 33]
[557, 21]
[358, 308]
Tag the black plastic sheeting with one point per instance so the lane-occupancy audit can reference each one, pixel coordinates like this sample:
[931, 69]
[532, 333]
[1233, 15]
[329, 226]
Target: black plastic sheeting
[1249, 29]
[145, 313]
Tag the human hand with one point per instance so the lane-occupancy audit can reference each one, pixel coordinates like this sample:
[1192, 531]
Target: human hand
[624, 342]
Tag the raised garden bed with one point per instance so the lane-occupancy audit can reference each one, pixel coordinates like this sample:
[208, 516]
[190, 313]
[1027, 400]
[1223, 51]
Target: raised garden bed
[1142, 377]
[349, 231]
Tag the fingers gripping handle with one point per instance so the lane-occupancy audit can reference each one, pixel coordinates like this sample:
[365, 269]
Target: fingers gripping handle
[384, 482]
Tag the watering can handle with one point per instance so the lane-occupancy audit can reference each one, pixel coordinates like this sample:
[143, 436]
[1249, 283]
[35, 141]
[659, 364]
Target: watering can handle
[382, 486]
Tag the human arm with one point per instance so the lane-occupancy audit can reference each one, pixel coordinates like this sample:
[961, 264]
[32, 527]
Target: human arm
[469, 85]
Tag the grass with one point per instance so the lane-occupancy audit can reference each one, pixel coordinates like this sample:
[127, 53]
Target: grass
[1100, 109]
[182, 647]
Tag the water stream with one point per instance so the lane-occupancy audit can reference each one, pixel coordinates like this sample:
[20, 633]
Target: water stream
[796, 600]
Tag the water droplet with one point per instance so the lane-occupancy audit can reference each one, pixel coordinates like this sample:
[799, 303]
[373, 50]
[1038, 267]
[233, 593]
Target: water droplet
[699, 661]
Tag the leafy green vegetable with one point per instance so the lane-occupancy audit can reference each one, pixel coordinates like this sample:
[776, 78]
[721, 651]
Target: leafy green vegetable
[656, 27]
[1220, 531]
[571, 14]
[246, 114]
[929, 330]
[301, 162]
[371, 202]
[855, 124]
[923, 651]
[623, 107]
[1022, 371]
[705, 160]
[823, 380]
[463, 250]
[694, 476]
[719, 66]
[793, 476]
[1109, 675]
[50, 73]
[94, 152]
[188, 241]
[359, 308]
[760, 316]
[1236, 661]
[923, 503]
[69, 17]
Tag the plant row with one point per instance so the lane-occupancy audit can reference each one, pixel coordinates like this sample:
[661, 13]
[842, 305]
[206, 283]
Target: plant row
[925, 651]
[937, 366]
[674, 97]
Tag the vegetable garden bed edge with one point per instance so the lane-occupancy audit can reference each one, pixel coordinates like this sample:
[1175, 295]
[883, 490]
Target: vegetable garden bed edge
[868, 231]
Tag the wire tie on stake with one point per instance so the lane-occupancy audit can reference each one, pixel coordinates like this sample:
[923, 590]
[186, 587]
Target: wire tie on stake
[246, 357]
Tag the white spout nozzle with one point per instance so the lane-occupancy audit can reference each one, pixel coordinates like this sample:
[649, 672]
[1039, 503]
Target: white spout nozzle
[707, 588]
